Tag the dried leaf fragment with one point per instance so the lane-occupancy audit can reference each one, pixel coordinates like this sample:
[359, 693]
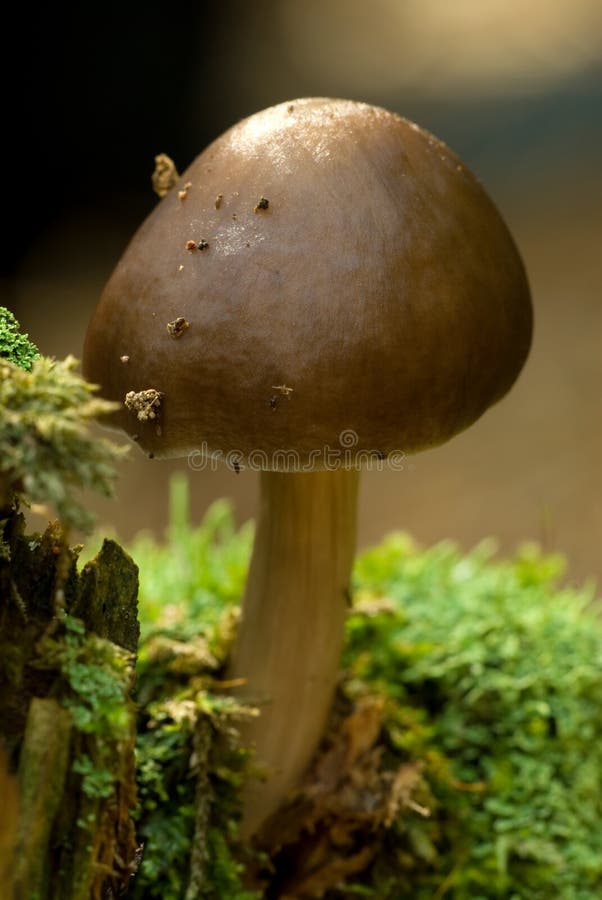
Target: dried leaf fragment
[165, 175]
[362, 727]
[405, 783]
[374, 606]
[144, 403]
[192, 657]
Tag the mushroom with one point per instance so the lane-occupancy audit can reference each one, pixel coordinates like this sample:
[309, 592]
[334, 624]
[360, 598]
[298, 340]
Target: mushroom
[382, 288]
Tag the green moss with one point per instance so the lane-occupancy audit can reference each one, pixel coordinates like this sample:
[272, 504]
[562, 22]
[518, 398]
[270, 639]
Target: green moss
[48, 454]
[14, 346]
[492, 679]
[507, 670]
[98, 674]
[168, 782]
[191, 581]
[97, 783]
[166, 792]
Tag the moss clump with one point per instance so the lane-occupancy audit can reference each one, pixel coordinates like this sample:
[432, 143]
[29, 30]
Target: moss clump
[187, 854]
[48, 454]
[190, 764]
[14, 346]
[464, 756]
[505, 671]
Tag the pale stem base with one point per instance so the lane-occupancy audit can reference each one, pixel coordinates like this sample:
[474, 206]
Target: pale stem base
[291, 633]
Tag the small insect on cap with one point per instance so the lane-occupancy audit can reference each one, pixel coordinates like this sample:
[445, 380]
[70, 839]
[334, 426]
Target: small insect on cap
[353, 279]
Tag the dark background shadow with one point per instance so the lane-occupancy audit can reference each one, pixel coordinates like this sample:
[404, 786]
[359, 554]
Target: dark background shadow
[97, 91]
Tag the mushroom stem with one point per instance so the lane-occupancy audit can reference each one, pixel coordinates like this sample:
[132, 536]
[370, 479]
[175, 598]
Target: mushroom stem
[291, 631]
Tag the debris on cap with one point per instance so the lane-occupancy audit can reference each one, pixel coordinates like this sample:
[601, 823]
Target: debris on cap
[124, 359]
[283, 389]
[177, 328]
[144, 403]
[262, 203]
[197, 245]
[184, 192]
[165, 175]
[219, 200]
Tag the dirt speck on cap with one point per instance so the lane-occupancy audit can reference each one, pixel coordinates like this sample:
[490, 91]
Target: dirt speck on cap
[219, 200]
[124, 359]
[145, 404]
[191, 245]
[262, 204]
[177, 328]
[165, 175]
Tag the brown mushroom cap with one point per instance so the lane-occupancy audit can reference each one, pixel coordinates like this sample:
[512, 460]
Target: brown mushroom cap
[378, 281]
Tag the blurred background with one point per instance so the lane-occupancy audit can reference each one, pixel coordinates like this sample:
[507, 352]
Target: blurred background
[514, 88]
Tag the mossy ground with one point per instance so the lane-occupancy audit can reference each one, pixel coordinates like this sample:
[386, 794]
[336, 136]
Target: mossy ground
[467, 735]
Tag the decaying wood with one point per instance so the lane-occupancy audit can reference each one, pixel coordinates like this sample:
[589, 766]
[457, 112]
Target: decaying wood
[58, 842]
